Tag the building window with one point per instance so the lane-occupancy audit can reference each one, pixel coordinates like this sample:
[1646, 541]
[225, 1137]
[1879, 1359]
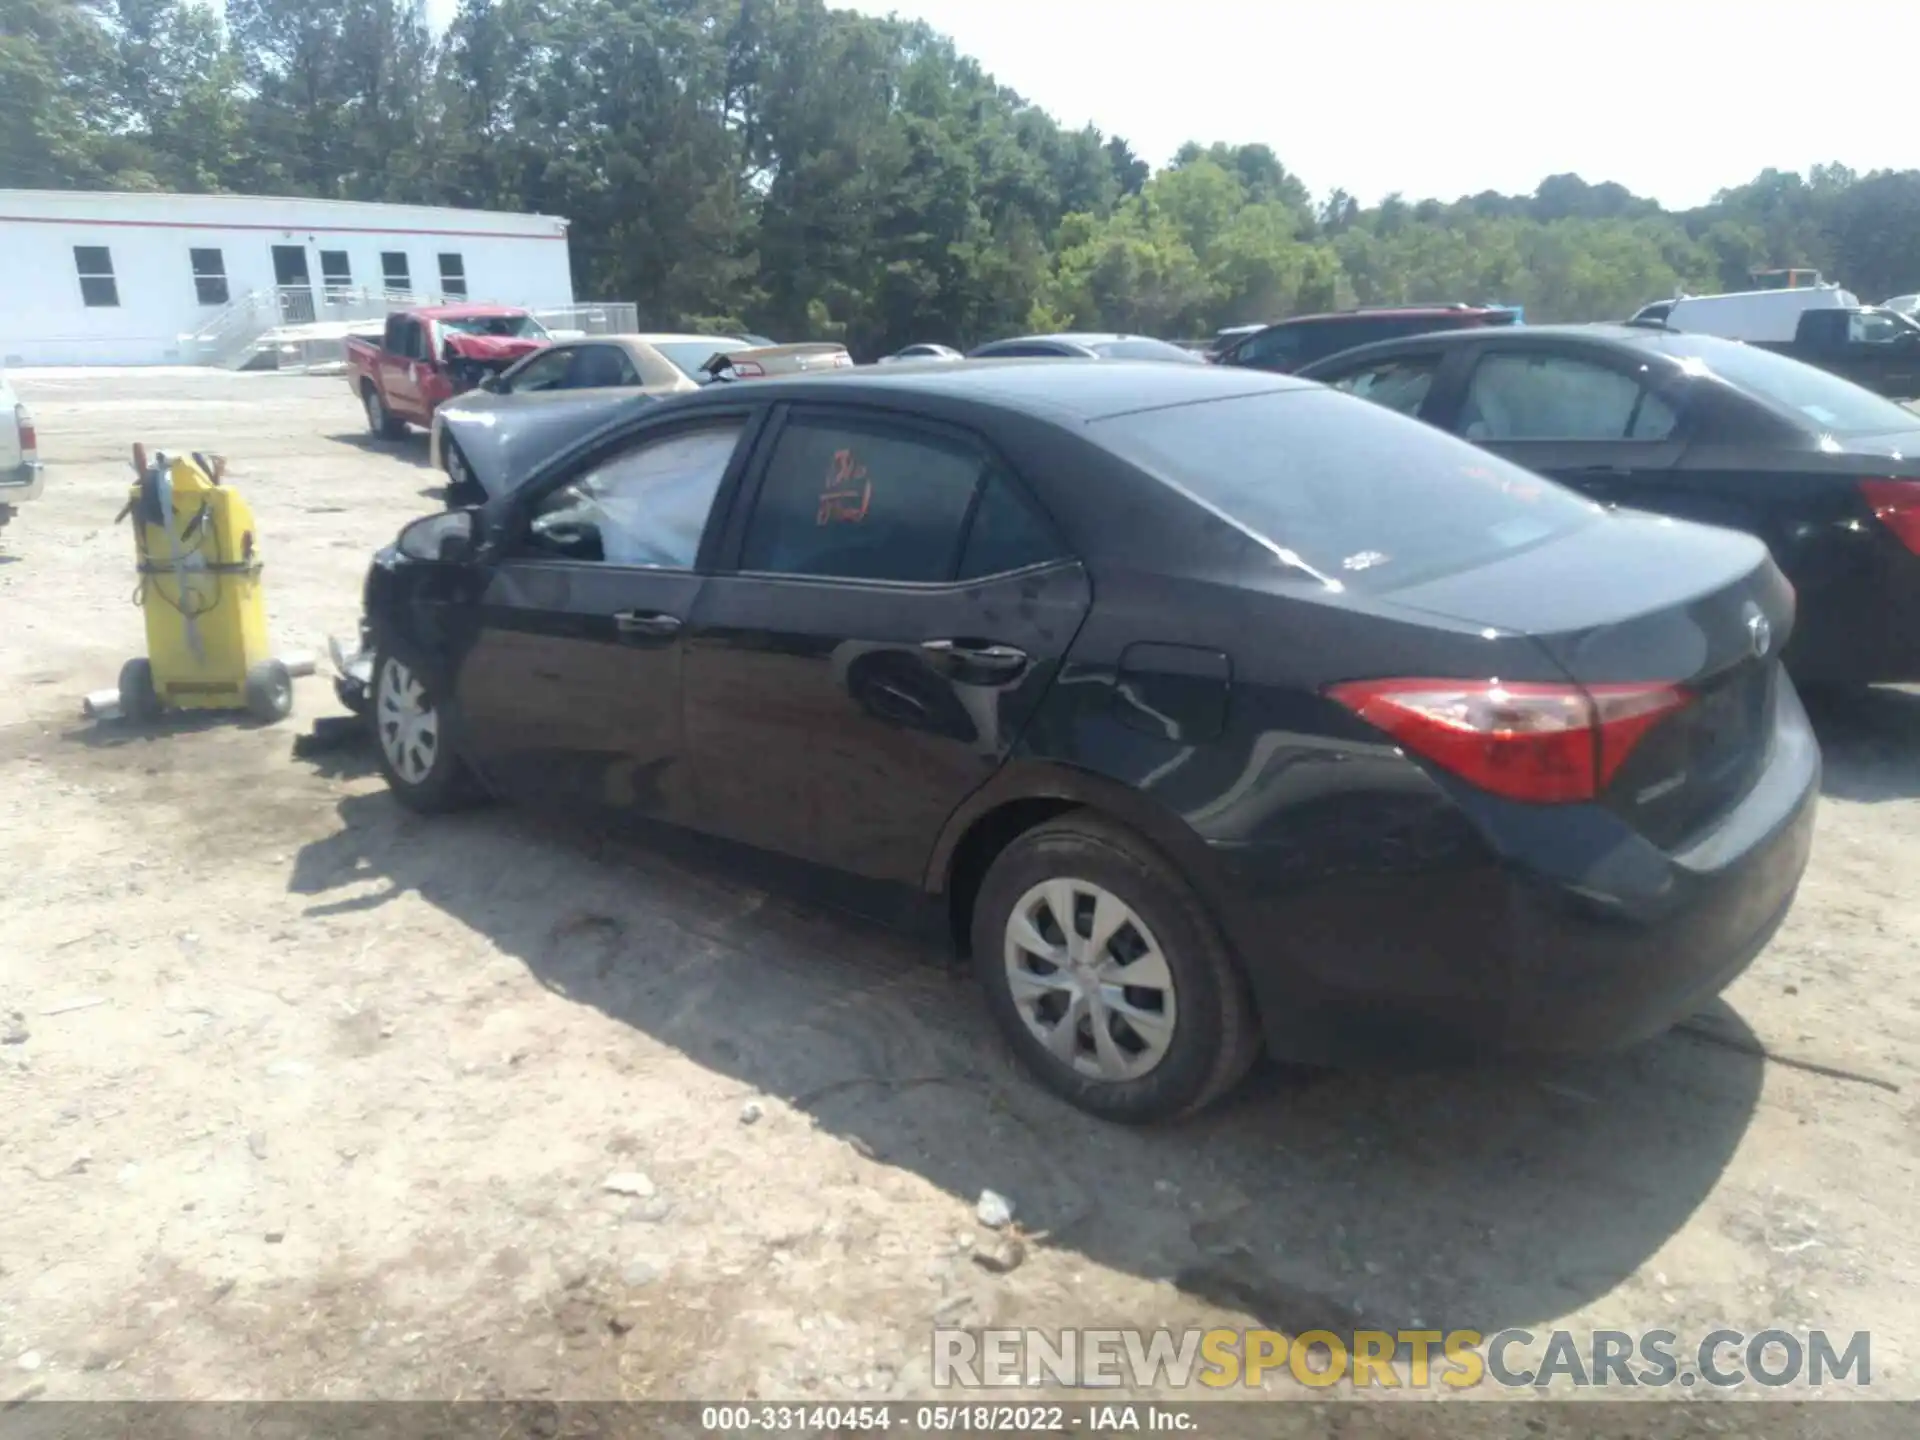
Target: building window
[453, 276]
[209, 276]
[393, 270]
[336, 271]
[95, 264]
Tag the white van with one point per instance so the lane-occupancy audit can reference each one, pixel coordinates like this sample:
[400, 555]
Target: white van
[1762, 315]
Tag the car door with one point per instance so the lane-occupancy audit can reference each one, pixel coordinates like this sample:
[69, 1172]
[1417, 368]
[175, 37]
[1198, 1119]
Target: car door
[1881, 352]
[402, 367]
[570, 692]
[1585, 417]
[896, 608]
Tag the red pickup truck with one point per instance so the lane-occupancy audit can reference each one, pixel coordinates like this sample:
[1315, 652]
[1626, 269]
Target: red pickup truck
[431, 354]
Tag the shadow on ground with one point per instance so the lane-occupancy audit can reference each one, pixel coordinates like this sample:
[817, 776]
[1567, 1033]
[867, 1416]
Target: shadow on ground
[1871, 742]
[1478, 1199]
[412, 447]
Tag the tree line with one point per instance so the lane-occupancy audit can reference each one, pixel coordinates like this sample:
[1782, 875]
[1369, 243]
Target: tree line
[778, 166]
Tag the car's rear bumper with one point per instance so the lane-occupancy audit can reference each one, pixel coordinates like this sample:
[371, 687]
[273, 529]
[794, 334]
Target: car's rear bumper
[1466, 945]
[22, 483]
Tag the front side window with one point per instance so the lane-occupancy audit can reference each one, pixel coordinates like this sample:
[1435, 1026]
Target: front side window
[863, 500]
[209, 276]
[1875, 327]
[1397, 384]
[601, 367]
[98, 289]
[546, 371]
[1559, 397]
[394, 272]
[646, 506]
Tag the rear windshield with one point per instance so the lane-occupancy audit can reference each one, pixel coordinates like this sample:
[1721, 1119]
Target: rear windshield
[687, 356]
[1821, 400]
[1363, 497]
[1142, 349]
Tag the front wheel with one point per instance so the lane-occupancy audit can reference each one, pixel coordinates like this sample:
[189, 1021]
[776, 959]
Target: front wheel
[462, 488]
[421, 768]
[1107, 976]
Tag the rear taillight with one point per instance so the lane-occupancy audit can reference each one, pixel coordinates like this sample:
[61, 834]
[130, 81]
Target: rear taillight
[748, 369]
[1550, 744]
[1896, 505]
[29, 442]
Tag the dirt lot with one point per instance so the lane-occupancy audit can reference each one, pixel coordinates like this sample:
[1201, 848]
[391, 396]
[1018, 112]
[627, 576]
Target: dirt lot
[304, 1098]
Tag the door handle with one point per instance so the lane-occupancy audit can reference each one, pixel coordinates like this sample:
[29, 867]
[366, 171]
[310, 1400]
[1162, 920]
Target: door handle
[646, 622]
[997, 659]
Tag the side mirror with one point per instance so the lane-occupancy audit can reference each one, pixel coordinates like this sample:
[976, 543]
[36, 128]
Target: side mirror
[446, 539]
[493, 385]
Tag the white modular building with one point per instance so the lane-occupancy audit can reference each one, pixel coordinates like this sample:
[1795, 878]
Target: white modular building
[113, 278]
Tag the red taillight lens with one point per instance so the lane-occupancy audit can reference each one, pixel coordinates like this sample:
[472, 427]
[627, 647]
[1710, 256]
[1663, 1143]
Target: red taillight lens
[1550, 744]
[1896, 505]
[29, 441]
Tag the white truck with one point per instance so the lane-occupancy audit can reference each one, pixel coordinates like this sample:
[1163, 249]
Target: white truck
[1763, 316]
[20, 473]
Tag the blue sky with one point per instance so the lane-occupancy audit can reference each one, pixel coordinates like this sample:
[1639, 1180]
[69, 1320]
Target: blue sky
[1674, 100]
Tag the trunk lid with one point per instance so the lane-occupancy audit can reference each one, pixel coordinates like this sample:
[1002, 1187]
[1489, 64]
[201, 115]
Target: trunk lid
[1638, 598]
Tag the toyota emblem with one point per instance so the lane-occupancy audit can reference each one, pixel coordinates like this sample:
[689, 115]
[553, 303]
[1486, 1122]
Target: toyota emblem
[1759, 632]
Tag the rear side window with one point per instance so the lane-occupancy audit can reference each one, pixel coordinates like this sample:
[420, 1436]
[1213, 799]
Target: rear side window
[1559, 397]
[1006, 534]
[1397, 384]
[863, 500]
[1362, 497]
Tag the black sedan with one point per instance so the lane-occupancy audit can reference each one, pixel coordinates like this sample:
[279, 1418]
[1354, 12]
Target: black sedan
[1698, 428]
[1214, 707]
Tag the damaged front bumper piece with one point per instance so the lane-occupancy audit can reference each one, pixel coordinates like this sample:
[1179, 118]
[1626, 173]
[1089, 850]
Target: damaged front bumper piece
[353, 672]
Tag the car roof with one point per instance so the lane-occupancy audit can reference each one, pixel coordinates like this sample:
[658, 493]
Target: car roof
[1605, 332]
[1390, 312]
[464, 312]
[1040, 387]
[664, 337]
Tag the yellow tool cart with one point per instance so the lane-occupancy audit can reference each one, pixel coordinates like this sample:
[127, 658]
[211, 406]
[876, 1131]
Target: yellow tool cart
[198, 555]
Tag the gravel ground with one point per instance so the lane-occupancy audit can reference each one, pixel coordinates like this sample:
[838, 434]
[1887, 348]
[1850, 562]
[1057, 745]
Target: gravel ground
[305, 1098]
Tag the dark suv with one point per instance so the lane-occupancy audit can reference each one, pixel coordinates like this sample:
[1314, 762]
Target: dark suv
[1291, 344]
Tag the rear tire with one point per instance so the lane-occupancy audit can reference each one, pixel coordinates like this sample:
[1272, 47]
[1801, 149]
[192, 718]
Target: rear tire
[1179, 1025]
[269, 692]
[139, 698]
[420, 765]
[380, 419]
